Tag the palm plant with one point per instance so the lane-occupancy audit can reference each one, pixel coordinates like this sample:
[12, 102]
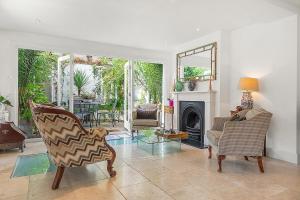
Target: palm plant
[81, 79]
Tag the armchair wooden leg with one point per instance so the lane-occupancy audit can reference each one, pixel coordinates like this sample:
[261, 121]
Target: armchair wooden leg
[246, 158]
[209, 152]
[110, 163]
[260, 164]
[220, 158]
[58, 176]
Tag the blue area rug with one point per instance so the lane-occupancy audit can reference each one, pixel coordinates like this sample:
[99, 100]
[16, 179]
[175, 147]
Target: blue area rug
[27, 165]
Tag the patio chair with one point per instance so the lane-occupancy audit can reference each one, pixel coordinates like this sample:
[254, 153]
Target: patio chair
[110, 113]
[145, 116]
[68, 143]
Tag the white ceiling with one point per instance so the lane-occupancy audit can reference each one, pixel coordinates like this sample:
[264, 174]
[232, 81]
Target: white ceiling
[149, 24]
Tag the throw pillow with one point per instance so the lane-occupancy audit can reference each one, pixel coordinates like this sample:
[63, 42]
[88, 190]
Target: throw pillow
[252, 113]
[146, 114]
[240, 116]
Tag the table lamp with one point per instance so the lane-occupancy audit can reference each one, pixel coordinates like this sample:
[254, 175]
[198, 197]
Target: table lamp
[248, 85]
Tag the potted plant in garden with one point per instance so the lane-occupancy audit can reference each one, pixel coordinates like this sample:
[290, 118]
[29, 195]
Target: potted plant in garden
[81, 79]
[4, 102]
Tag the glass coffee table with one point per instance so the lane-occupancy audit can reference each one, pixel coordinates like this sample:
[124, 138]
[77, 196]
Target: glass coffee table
[159, 142]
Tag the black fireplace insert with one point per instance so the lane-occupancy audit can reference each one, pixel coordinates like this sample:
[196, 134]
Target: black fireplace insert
[191, 119]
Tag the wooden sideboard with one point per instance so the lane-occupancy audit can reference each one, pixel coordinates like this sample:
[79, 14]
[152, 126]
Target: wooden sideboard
[11, 136]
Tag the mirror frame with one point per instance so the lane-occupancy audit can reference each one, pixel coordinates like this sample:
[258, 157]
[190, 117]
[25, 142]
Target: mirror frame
[212, 47]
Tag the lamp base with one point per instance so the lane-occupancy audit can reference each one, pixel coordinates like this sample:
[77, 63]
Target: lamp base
[247, 100]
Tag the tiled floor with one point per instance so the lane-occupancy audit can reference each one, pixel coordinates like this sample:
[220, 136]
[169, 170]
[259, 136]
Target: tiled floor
[186, 175]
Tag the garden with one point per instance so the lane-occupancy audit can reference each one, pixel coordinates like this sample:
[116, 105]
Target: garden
[95, 79]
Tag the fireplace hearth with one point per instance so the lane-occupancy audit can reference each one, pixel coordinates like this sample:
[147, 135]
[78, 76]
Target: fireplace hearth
[191, 119]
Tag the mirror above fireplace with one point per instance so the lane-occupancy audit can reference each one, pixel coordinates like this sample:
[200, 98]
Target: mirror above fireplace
[197, 64]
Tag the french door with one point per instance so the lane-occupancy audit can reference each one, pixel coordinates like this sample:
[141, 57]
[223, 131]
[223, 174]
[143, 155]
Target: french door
[128, 97]
[65, 81]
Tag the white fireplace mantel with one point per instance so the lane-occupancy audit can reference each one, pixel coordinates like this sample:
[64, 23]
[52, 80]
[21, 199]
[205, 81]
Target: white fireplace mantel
[209, 97]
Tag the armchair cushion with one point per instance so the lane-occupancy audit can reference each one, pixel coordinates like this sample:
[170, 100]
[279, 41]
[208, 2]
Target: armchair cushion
[213, 137]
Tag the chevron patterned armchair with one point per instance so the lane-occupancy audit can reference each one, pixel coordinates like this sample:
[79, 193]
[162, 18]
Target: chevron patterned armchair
[68, 143]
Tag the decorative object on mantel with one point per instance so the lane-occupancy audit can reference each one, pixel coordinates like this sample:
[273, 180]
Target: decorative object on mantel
[192, 84]
[248, 85]
[3, 112]
[169, 110]
[179, 86]
[171, 102]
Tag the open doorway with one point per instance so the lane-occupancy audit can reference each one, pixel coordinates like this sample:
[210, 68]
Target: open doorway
[100, 91]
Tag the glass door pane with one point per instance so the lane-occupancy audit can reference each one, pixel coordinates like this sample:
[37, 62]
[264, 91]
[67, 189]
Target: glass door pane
[65, 73]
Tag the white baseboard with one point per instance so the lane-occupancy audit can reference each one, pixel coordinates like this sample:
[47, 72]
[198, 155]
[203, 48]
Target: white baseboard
[283, 155]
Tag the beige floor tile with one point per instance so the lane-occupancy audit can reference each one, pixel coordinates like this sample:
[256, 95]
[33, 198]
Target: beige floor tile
[59, 194]
[170, 180]
[89, 173]
[127, 176]
[42, 183]
[191, 192]
[14, 187]
[98, 190]
[184, 175]
[19, 197]
[145, 191]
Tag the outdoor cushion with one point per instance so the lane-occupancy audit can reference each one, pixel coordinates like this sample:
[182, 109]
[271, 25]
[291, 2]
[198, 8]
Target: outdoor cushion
[145, 122]
[214, 136]
[146, 113]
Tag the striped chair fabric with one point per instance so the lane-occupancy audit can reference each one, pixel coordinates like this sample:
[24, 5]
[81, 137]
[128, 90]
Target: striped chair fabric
[67, 142]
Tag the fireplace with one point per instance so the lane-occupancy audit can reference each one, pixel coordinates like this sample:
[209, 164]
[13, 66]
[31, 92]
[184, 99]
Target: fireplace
[191, 119]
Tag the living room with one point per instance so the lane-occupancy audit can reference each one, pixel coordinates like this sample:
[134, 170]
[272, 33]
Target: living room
[252, 51]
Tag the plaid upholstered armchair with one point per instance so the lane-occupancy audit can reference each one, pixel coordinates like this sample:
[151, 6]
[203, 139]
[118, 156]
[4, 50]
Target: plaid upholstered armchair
[68, 143]
[240, 138]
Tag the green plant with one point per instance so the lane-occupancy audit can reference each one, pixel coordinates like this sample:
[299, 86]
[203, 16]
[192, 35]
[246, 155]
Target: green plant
[191, 72]
[35, 70]
[149, 76]
[5, 101]
[81, 79]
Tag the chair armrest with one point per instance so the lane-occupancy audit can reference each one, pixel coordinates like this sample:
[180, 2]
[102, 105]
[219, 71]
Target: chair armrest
[218, 123]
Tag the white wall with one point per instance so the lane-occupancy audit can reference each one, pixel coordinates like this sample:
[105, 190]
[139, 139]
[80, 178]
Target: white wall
[269, 52]
[11, 41]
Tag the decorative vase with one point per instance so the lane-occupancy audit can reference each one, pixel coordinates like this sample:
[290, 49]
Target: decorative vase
[192, 85]
[179, 86]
